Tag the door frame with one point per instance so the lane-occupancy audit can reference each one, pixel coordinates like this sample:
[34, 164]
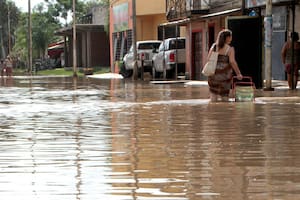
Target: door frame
[196, 68]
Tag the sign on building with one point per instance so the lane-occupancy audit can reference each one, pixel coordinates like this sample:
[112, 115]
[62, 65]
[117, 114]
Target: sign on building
[120, 17]
[257, 3]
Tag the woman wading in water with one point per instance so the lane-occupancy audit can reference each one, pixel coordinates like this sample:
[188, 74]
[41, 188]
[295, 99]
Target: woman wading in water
[220, 82]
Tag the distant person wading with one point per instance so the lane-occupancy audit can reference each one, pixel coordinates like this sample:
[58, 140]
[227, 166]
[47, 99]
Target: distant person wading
[8, 66]
[286, 56]
[2, 67]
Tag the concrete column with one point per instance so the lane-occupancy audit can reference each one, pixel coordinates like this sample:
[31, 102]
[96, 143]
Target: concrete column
[135, 66]
[89, 49]
[29, 38]
[74, 42]
[268, 45]
[84, 49]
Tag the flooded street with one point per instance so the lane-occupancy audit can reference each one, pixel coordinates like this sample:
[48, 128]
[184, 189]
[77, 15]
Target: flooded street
[91, 139]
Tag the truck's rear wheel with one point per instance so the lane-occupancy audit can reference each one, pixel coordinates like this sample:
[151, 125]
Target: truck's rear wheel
[155, 74]
[126, 73]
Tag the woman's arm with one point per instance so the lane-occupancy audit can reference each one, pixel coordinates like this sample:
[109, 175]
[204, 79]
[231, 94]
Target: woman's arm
[234, 64]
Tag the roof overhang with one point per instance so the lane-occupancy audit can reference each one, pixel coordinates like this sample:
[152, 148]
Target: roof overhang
[184, 22]
[80, 28]
[177, 22]
[217, 14]
[58, 46]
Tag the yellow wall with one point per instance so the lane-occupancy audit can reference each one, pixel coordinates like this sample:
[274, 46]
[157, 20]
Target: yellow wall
[150, 7]
[147, 26]
[149, 15]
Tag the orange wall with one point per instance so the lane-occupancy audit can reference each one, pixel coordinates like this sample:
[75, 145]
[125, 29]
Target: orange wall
[200, 26]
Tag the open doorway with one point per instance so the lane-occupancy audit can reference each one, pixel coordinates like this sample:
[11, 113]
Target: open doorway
[197, 55]
[247, 42]
[211, 35]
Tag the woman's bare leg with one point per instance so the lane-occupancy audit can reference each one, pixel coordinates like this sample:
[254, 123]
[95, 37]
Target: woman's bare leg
[289, 79]
[213, 97]
[225, 98]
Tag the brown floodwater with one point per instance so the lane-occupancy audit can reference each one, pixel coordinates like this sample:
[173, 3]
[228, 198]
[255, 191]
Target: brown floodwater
[88, 139]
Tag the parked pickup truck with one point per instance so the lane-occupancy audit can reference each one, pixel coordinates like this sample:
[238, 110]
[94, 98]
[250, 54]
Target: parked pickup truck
[171, 56]
[145, 50]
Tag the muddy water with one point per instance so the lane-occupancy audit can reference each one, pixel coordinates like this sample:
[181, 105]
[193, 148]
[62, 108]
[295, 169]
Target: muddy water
[113, 139]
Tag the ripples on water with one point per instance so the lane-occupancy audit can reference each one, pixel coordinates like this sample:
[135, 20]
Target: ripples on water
[119, 140]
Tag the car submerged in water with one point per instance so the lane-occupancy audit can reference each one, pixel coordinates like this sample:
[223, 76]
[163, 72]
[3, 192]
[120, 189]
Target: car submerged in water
[145, 51]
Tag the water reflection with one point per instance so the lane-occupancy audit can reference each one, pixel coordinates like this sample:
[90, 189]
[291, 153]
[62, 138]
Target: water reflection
[65, 138]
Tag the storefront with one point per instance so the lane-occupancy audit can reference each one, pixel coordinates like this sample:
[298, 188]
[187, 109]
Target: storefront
[285, 13]
[92, 45]
[201, 32]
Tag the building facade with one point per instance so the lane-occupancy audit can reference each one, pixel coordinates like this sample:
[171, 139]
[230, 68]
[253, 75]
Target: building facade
[92, 40]
[149, 15]
[204, 19]
[283, 14]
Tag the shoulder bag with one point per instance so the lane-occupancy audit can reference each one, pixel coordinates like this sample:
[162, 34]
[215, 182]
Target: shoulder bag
[210, 67]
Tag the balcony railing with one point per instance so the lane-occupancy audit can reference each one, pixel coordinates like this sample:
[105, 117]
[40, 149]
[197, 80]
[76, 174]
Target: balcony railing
[197, 5]
[87, 19]
[178, 9]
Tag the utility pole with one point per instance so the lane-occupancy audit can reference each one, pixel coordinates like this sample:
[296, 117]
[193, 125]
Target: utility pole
[74, 41]
[164, 60]
[268, 45]
[8, 29]
[29, 38]
[135, 67]
[293, 77]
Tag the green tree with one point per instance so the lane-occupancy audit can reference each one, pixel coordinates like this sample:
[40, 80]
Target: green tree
[63, 8]
[46, 19]
[43, 28]
[20, 47]
[9, 17]
[93, 3]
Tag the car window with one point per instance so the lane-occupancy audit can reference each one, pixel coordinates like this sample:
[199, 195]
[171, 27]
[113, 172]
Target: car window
[156, 45]
[148, 46]
[180, 44]
[161, 47]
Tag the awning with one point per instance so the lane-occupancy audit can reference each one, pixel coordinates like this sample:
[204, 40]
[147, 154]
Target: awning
[226, 12]
[58, 46]
[80, 28]
[176, 23]
[183, 22]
